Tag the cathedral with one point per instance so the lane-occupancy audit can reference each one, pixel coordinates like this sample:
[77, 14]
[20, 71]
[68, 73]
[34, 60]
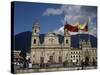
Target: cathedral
[52, 49]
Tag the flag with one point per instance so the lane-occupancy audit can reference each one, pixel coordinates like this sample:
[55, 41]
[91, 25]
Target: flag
[71, 28]
[83, 27]
[76, 27]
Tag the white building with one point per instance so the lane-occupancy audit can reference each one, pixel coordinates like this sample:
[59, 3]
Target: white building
[52, 50]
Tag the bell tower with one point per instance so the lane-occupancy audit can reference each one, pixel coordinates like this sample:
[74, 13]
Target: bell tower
[67, 38]
[35, 34]
[34, 40]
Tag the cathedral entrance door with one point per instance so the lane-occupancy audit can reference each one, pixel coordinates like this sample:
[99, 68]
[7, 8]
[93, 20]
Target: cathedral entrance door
[41, 60]
[60, 59]
[51, 59]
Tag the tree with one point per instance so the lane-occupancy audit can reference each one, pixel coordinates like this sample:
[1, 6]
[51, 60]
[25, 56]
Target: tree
[23, 55]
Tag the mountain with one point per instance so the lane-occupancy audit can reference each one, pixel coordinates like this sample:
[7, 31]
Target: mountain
[75, 39]
[23, 40]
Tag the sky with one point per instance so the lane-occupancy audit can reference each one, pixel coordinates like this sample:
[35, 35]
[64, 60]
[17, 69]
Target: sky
[52, 17]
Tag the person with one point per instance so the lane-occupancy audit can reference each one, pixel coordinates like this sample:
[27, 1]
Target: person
[18, 65]
[29, 65]
[21, 65]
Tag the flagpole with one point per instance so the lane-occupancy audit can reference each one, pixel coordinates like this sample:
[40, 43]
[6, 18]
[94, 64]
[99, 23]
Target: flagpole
[79, 36]
[80, 39]
[88, 28]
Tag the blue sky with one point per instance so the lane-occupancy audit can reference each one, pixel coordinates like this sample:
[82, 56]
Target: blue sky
[25, 14]
[52, 17]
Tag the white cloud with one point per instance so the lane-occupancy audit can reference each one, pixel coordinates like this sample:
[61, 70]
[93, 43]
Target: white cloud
[64, 9]
[73, 14]
[52, 11]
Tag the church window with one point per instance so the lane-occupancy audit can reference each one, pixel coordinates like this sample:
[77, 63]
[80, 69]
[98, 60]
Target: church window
[71, 56]
[96, 58]
[79, 52]
[34, 41]
[76, 60]
[51, 41]
[76, 56]
[35, 31]
[66, 41]
[71, 61]
[79, 56]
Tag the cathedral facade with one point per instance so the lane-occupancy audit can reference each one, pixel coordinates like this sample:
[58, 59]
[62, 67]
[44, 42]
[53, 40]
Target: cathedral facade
[50, 48]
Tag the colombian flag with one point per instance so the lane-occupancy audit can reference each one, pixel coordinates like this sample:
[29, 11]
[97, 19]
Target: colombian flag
[83, 27]
[77, 27]
[71, 28]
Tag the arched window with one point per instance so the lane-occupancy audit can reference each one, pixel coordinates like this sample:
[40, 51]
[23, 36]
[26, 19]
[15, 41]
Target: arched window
[79, 56]
[51, 40]
[71, 56]
[35, 30]
[76, 60]
[34, 41]
[74, 57]
[66, 41]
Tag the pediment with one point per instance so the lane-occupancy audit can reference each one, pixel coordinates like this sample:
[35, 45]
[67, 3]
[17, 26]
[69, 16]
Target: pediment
[51, 34]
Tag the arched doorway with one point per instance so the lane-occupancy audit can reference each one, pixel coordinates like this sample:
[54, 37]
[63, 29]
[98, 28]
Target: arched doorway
[86, 61]
[60, 59]
[41, 61]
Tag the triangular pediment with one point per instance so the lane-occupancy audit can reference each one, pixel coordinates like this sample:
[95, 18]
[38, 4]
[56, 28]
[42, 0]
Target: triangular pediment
[51, 34]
